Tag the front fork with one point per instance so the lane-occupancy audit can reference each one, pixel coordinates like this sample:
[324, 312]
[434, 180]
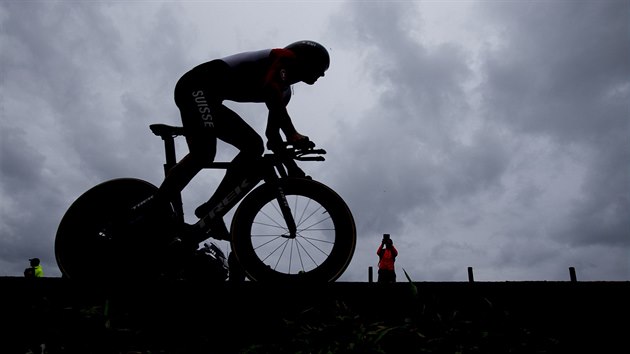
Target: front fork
[286, 212]
[293, 170]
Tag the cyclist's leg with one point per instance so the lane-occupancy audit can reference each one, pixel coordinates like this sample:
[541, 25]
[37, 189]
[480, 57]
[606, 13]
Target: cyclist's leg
[232, 129]
[197, 107]
[201, 139]
[194, 101]
[202, 149]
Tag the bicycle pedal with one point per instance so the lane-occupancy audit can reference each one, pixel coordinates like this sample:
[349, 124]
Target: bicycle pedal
[175, 242]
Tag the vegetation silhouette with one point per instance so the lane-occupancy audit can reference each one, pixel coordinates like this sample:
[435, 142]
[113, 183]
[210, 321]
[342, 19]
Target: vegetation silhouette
[411, 317]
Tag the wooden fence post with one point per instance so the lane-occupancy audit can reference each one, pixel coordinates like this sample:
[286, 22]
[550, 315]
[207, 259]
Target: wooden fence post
[471, 278]
[572, 274]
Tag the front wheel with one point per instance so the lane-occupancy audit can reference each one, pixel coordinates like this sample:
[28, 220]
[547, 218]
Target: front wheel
[319, 252]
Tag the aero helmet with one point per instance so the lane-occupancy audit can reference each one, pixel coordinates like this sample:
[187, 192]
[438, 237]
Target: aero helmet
[313, 54]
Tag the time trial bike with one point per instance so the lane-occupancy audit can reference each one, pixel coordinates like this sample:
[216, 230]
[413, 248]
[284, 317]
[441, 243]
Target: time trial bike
[288, 228]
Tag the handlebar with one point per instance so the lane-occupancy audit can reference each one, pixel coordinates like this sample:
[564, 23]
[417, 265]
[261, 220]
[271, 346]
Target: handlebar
[290, 153]
[301, 153]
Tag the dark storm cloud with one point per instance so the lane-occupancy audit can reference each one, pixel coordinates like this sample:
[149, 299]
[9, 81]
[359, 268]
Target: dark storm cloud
[563, 71]
[560, 70]
[27, 194]
[81, 82]
[21, 163]
[60, 51]
[39, 83]
[456, 127]
[407, 151]
[601, 216]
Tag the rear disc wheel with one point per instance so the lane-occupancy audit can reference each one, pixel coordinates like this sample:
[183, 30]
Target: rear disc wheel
[88, 245]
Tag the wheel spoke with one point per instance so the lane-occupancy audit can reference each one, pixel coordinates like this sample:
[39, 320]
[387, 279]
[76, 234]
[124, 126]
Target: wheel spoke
[303, 220]
[297, 247]
[285, 243]
[274, 220]
[311, 227]
[308, 254]
[318, 240]
[308, 202]
[275, 237]
[274, 251]
[315, 246]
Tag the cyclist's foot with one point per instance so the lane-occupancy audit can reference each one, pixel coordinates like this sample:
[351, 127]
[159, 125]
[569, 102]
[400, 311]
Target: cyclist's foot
[194, 233]
[218, 230]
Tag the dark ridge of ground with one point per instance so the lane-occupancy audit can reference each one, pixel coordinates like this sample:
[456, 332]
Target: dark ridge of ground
[419, 317]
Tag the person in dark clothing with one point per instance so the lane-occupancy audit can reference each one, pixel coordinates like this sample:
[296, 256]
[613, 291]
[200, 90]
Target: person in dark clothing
[263, 76]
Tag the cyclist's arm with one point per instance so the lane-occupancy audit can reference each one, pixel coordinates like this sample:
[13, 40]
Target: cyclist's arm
[277, 86]
[279, 120]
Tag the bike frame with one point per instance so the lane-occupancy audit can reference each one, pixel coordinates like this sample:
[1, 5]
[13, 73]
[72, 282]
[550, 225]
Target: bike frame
[272, 165]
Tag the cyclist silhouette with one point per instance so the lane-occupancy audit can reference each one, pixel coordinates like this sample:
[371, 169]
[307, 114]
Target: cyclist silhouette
[263, 76]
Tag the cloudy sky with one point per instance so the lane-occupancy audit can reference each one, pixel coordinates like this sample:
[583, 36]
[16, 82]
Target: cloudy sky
[484, 134]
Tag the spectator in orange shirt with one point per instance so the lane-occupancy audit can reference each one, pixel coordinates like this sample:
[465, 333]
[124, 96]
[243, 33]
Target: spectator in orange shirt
[387, 257]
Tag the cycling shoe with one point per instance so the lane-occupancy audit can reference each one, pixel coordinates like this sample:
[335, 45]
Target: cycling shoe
[219, 231]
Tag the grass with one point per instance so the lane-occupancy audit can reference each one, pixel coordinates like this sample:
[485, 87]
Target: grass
[426, 327]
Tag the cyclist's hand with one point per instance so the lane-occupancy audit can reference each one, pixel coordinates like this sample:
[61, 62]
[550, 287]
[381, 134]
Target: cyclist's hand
[296, 137]
[300, 141]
